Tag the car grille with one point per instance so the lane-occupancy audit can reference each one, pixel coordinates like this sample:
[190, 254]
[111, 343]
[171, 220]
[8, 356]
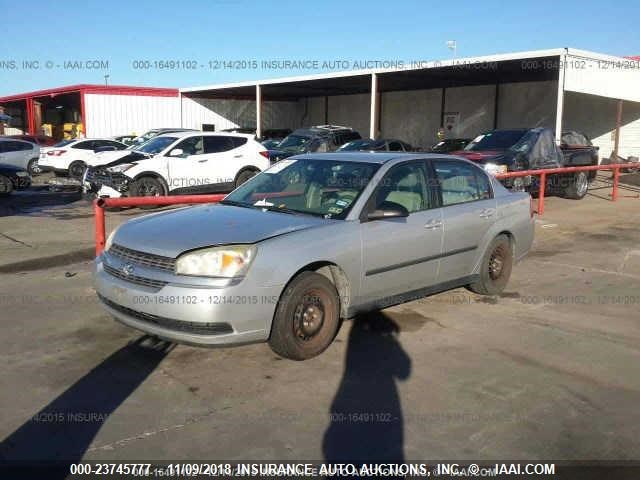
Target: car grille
[217, 328]
[147, 282]
[100, 176]
[141, 258]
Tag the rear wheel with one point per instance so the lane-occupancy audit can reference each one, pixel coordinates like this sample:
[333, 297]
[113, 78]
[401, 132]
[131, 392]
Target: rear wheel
[495, 269]
[32, 167]
[244, 176]
[578, 186]
[6, 186]
[307, 317]
[76, 169]
[147, 187]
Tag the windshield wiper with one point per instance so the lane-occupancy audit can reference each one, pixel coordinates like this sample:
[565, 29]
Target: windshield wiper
[235, 204]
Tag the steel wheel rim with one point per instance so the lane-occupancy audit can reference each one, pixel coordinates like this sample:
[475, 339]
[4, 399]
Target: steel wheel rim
[497, 261]
[581, 183]
[309, 315]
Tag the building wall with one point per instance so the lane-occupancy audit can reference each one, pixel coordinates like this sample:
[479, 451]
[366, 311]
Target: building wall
[596, 117]
[412, 116]
[110, 115]
[350, 111]
[239, 113]
[527, 104]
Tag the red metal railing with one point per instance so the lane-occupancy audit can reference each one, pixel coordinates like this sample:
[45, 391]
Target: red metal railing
[99, 205]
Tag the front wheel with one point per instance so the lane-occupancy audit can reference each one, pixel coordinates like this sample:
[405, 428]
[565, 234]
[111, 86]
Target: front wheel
[495, 269]
[307, 317]
[578, 186]
[147, 187]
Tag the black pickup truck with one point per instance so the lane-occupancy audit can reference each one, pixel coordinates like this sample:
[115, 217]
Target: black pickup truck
[502, 151]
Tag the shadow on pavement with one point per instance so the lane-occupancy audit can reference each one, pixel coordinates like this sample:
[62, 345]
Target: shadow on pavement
[366, 415]
[63, 430]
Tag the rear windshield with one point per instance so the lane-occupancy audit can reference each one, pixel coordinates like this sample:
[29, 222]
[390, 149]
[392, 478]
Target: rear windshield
[496, 140]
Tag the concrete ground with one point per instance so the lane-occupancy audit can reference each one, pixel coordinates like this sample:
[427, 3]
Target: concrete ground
[547, 370]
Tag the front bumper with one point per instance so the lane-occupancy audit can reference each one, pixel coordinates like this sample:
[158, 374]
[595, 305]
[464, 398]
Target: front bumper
[100, 181]
[208, 312]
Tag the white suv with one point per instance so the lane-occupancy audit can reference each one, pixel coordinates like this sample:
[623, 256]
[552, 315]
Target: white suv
[177, 163]
[70, 157]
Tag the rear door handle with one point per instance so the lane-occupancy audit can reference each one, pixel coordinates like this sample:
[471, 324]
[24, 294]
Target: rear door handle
[487, 212]
[238, 156]
[433, 224]
[203, 160]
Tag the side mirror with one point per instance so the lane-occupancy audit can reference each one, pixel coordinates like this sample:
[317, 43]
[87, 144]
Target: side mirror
[176, 152]
[384, 214]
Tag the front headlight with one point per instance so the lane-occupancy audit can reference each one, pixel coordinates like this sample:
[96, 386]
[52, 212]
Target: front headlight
[229, 261]
[494, 169]
[21, 173]
[123, 167]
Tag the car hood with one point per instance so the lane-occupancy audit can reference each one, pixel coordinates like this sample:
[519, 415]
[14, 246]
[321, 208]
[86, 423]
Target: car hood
[171, 233]
[10, 169]
[105, 158]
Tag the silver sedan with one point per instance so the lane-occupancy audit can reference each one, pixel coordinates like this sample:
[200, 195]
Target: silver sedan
[311, 240]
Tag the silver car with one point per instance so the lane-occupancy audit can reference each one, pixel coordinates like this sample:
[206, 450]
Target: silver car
[19, 153]
[311, 240]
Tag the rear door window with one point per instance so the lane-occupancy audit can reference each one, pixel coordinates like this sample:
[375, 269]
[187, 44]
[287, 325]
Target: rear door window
[86, 145]
[220, 143]
[461, 182]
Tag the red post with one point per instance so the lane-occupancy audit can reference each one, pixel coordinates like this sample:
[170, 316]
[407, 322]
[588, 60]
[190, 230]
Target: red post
[543, 184]
[616, 178]
[98, 212]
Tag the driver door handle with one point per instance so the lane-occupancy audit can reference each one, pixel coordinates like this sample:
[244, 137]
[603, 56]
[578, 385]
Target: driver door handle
[203, 160]
[433, 224]
[487, 212]
[238, 156]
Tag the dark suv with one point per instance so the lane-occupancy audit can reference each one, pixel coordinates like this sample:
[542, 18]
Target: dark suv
[322, 138]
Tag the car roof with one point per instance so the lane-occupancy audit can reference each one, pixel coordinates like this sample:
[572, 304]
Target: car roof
[371, 157]
[192, 133]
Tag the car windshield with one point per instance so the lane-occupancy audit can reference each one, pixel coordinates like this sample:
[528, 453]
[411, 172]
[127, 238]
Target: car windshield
[295, 143]
[325, 188]
[155, 145]
[63, 143]
[496, 140]
[359, 145]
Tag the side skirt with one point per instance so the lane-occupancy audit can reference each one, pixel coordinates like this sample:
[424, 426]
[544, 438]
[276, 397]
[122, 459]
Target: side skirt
[410, 296]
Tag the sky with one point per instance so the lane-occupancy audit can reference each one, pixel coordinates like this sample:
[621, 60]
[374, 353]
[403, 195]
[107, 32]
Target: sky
[193, 42]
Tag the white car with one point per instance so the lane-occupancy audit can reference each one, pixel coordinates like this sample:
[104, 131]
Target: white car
[19, 153]
[177, 163]
[70, 157]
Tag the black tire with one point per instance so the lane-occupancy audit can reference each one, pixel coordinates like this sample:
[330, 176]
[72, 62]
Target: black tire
[6, 186]
[578, 186]
[495, 269]
[243, 176]
[32, 167]
[307, 317]
[77, 168]
[147, 187]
